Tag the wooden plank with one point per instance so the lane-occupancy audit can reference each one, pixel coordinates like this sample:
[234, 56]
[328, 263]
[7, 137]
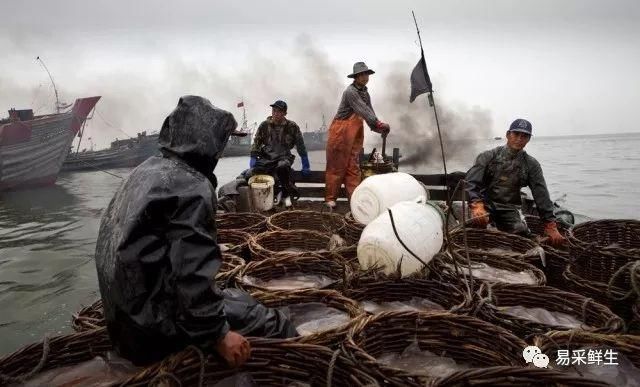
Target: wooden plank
[432, 179]
[317, 192]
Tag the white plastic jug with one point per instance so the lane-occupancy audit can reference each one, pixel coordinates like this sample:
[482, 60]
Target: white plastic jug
[262, 192]
[377, 193]
[419, 225]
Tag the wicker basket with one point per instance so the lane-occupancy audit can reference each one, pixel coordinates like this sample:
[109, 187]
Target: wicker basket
[325, 222]
[610, 297]
[438, 270]
[388, 289]
[491, 241]
[353, 229]
[536, 226]
[462, 338]
[272, 363]
[277, 267]
[239, 241]
[88, 318]
[274, 244]
[549, 343]
[330, 338]
[231, 265]
[514, 376]
[250, 222]
[600, 248]
[596, 316]
[54, 352]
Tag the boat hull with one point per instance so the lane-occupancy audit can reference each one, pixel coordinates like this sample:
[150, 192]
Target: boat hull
[35, 158]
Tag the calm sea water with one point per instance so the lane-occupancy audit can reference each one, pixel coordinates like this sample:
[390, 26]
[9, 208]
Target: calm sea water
[48, 236]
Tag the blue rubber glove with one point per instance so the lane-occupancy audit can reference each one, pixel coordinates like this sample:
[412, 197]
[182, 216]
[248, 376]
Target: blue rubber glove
[306, 168]
[252, 162]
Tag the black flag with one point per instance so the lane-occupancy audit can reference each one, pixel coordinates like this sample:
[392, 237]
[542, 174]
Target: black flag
[420, 81]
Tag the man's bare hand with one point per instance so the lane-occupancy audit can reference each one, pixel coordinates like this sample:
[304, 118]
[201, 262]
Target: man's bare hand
[234, 348]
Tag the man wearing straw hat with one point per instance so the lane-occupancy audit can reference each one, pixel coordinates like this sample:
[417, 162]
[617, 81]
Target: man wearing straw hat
[494, 184]
[346, 135]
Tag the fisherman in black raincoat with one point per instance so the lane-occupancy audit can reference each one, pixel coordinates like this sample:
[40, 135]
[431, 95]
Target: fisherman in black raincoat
[157, 255]
[495, 180]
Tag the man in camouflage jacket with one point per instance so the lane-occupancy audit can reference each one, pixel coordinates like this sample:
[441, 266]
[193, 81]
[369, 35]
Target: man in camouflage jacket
[271, 149]
[495, 180]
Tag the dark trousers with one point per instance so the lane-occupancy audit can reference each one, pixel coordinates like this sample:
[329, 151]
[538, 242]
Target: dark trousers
[509, 220]
[279, 169]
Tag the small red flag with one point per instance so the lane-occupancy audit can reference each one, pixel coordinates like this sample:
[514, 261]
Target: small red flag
[240, 104]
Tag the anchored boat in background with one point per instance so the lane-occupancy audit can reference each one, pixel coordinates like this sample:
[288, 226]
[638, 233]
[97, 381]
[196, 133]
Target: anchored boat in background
[33, 148]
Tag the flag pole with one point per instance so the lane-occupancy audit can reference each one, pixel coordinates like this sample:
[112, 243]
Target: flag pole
[433, 104]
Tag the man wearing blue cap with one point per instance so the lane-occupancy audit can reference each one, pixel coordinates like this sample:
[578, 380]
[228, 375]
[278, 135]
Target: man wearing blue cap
[495, 180]
[271, 149]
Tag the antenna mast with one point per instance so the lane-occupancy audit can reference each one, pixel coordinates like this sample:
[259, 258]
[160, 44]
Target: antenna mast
[55, 89]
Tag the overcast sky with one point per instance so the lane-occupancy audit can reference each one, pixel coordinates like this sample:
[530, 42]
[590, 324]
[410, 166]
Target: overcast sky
[570, 67]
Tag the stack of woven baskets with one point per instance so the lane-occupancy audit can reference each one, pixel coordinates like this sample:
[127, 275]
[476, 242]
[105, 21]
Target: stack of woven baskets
[469, 325]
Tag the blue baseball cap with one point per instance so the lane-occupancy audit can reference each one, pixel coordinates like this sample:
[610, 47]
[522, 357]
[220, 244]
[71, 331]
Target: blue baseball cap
[521, 125]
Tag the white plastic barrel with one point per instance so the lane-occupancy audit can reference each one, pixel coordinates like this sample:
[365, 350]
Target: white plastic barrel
[419, 225]
[377, 193]
[262, 192]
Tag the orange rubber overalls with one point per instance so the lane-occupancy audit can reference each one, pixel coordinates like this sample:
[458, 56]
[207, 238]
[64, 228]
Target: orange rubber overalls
[346, 138]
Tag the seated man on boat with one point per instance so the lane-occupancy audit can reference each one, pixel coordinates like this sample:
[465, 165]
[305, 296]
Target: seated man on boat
[157, 255]
[271, 150]
[494, 184]
[346, 135]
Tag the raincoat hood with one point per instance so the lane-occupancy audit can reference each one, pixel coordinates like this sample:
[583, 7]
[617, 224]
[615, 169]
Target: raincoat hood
[197, 133]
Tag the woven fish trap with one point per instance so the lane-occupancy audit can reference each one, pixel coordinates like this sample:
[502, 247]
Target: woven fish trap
[331, 337]
[443, 267]
[353, 229]
[250, 222]
[325, 222]
[389, 289]
[53, 352]
[289, 243]
[271, 268]
[506, 376]
[236, 241]
[601, 248]
[498, 243]
[595, 317]
[88, 318]
[550, 342]
[612, 297]
[463, 338]
[272, 363]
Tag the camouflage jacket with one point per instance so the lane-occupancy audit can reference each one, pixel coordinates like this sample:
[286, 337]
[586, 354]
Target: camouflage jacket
[272, 139]
[498, 175]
